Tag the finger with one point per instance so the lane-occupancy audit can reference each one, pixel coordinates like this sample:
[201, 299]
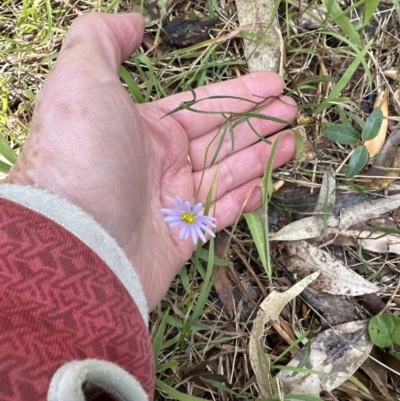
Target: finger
[229, 207]
[102, 38]
[209, 145]
[246, 91]
[244, 166]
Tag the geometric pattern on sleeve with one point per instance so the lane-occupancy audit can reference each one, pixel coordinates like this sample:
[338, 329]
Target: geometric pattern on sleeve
[59, 302]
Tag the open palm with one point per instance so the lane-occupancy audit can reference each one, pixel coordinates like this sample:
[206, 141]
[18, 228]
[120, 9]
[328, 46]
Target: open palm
[119, 161]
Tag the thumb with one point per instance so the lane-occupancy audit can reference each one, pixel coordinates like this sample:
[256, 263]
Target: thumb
[96, 38]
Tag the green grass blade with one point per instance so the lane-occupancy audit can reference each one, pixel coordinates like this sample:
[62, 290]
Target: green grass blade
[6, 150]
[4, 167]
[344, 80]
[370, 6]
[257, 231]
[133, 87]
[340, 18]
[175, 394]
[158, 339]
[183, 275]
[206, 287]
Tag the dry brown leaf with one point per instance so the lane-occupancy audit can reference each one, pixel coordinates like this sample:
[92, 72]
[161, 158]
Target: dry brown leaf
[336, 278]
[265, 54]
[339, 352]
[222, 281]
[378, 242]
[396, 100]
[392, 74]
[335, 309]
[367, 210]
[307, 228]
[309, 152]
[270, 309]
[383, 172]
[375, 145]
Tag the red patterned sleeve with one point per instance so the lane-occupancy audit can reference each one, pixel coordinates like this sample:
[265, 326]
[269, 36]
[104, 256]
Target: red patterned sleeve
[59, 302]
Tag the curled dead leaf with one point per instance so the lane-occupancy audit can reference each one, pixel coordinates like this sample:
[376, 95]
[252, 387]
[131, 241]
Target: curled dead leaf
[270, 309]
[392, 74]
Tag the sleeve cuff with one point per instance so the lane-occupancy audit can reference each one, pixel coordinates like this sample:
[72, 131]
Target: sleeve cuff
[84, 227]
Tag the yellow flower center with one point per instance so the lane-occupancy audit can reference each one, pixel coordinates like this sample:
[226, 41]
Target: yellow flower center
[188, 217]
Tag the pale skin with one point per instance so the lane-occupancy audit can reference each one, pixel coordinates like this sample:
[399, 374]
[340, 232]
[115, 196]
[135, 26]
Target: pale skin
[119, 161]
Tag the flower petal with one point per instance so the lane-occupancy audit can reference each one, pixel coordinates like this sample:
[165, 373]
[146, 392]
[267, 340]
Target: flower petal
[204, 220]
[171, 211]
[208, 230]
[169, 219]
[193, 233]
[184, 231]
[186, 207]
[200, 233]
[174, 223]
[196, 208]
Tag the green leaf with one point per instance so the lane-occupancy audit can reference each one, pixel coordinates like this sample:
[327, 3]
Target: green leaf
[384, 330]
[256, 226]
[340, 18]
[372, 125]
[158, 339]
[175, 394]
[133, 87]
[344, 80]
[370, 6]
[4, 167]
[358, 161]
[6, 150]
[342, 134]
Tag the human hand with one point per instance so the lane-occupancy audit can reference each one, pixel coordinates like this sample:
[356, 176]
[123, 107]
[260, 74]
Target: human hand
[119, 161]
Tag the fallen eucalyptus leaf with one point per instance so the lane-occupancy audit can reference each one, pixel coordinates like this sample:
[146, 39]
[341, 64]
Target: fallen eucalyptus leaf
[307, 228]
[367, 210]
[337, 352]
[336, 277]
[270, 309]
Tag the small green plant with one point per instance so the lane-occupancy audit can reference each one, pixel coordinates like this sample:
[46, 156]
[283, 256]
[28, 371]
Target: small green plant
[384, 331]
[346, 135]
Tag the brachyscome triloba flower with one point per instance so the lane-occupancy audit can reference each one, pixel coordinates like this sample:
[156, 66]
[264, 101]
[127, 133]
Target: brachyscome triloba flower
[193, 224]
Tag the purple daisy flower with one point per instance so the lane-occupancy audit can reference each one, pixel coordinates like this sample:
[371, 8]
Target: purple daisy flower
[193, 224]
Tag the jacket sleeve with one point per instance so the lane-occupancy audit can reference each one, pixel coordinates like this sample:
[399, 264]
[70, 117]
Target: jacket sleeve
[66, 318]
